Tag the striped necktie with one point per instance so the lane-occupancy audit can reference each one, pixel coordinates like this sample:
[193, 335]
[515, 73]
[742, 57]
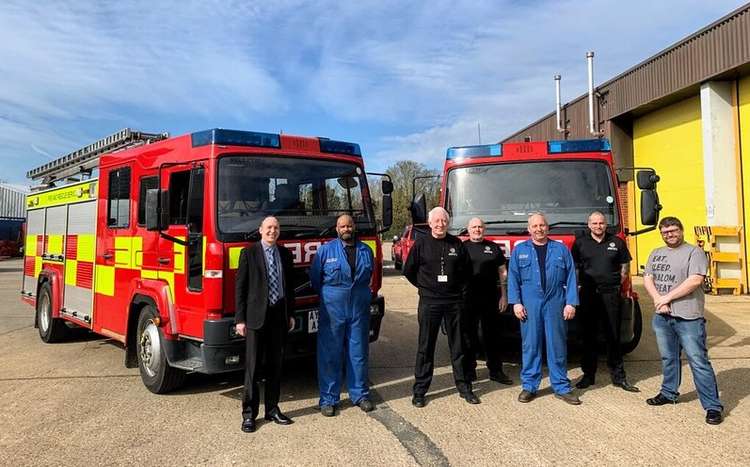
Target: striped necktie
[273, 277]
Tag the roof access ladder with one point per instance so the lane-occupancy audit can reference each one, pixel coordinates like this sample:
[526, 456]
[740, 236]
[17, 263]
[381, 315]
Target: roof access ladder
[82, 161]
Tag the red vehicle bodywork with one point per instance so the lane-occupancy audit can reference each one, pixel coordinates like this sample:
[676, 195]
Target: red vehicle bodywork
[537, 152]
[134, 266]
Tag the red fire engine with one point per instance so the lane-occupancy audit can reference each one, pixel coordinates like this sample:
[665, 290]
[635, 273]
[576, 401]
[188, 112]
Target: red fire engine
[566, 180]
[147, 251]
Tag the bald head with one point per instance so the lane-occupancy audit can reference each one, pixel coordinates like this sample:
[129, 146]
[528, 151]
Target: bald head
[475, 227]
[538, 228]
[597, 225]
[345, 228]
[270, 230]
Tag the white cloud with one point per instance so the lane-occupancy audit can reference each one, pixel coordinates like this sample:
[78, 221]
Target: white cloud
[415, 77]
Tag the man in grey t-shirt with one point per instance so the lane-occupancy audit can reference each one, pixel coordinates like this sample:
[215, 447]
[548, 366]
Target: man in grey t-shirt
[673, 278]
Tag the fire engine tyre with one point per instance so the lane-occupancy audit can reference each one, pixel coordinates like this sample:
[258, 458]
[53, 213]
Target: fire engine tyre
[156, 373]
[50, 329]
[628, 347]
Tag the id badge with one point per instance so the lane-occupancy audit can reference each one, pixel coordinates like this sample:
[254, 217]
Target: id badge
[442, 278]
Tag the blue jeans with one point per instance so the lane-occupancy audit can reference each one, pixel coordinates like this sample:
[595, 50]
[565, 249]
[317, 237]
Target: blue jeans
[674, 335]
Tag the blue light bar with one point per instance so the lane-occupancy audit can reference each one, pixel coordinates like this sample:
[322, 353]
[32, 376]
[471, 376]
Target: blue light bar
[236, 138]
[339, 147]
[485, 150]
[580, 145]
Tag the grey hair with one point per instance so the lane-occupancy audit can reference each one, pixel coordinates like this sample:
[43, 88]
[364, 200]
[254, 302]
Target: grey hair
[472, 219]
[537, 213]
[438, 210]
[597, 213]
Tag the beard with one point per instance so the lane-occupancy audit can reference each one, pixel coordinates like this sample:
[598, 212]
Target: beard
[346, 236]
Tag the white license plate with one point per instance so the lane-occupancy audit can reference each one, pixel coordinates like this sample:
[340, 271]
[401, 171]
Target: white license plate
[312, 321]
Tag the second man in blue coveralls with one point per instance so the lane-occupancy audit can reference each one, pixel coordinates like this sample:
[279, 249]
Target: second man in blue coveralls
[542, 288]
[340, 273]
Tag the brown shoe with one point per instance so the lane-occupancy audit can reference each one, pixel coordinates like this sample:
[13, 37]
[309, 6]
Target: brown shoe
[526, 396]
[569, 398]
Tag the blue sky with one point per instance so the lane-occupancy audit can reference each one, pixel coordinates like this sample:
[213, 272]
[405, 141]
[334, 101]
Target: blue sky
[405, 79]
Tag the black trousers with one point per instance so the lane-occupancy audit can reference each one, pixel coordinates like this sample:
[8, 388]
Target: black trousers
[601, 309]
[430, 316]
[264, 354]
[485, 314]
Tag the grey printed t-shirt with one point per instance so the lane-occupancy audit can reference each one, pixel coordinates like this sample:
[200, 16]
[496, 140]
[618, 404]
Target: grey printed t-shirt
[669, 267]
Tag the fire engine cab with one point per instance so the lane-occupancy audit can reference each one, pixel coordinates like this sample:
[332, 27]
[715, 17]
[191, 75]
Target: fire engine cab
[566, 180]
[137, 237]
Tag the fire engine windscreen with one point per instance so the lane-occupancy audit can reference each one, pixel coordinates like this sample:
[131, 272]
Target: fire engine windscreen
[305, 195]
[503, 195]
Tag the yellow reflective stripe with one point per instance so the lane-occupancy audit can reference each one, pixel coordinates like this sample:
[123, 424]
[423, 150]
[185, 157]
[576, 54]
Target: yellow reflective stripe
[149, 274]
[86, 247]
[234, 257]
[203, 261]
[71, 267]
[137, 257]
[179, 257]
[122, 251]
[169, 277]
[37, 266]
[104, 280]
[55, 244]
[371, 244]
[68, 194]
[30, 249]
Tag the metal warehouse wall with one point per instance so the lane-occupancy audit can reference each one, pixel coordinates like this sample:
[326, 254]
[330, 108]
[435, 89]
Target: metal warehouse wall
[12, 202]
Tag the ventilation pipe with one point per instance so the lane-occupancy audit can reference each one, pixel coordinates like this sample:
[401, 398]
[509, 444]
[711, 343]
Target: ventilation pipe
[592, 127]
[557, 104]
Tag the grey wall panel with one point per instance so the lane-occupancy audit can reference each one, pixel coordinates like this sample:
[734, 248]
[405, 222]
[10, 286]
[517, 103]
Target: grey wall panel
[78, 299]
[82, 218]
[57, 219]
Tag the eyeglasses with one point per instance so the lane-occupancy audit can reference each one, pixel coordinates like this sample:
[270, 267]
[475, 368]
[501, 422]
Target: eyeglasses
[666, 233]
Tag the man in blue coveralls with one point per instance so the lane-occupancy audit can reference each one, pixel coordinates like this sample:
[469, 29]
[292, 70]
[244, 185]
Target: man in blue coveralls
[340, 273]
[542, 288]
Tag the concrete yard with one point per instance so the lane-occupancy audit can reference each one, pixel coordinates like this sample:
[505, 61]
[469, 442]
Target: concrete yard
[75, 403]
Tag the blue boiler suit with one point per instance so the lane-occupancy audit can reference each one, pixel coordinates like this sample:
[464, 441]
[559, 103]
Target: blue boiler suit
[544, 309]
[344, 323]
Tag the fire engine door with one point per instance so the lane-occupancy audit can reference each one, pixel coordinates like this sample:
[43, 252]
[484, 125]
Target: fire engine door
[181, 262]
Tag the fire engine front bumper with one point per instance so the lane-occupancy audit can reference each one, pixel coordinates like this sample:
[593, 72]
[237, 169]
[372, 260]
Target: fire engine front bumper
[223, 350]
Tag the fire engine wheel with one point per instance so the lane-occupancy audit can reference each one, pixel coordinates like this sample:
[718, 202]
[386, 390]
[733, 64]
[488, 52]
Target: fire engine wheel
[156, 373]
[628, 347]
[50, 329]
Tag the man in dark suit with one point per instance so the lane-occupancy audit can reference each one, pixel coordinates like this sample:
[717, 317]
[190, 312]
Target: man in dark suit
[265, 300]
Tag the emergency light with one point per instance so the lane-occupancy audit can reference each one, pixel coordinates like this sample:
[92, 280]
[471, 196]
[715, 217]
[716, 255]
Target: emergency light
[339, 147]
[581, 145]
[235, 138]
[484, 150]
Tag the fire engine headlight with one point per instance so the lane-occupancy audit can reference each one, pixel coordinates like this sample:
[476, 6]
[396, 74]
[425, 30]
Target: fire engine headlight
[232, 360]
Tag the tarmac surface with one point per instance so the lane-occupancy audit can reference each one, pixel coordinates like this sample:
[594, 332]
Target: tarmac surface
[75, 403]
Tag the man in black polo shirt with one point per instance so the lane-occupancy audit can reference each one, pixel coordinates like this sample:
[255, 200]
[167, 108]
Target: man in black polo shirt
[484, 302]
[602, 261]
[439, 267]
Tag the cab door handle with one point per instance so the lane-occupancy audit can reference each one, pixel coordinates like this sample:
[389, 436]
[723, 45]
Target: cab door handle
[107, 255]
[164, 260]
